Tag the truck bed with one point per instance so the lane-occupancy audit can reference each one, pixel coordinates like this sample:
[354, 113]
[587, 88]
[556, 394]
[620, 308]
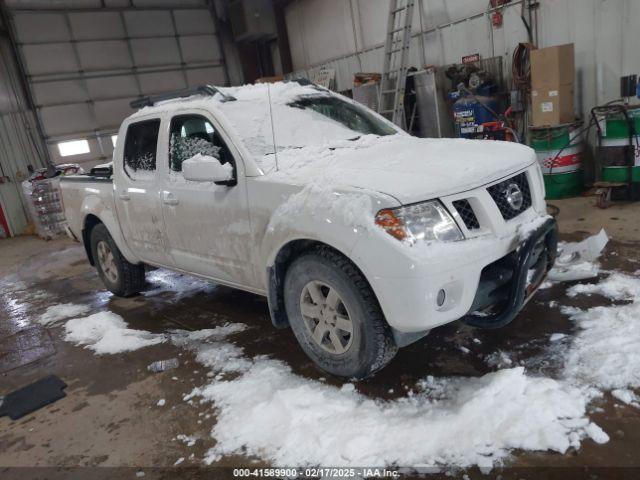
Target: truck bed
[81, 190]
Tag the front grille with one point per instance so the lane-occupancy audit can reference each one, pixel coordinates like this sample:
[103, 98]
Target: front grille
[501, 192]
[466, 213]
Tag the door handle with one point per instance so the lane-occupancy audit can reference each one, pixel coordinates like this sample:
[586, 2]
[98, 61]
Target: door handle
[124, 196]
[169, 198]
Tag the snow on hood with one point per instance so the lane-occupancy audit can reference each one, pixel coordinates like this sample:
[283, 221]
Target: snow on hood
[408, 168]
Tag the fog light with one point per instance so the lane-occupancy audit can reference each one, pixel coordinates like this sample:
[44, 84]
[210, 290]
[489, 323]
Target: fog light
[441, 297]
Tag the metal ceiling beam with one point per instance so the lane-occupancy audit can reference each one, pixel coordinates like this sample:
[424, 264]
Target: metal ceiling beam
[85, 134]
[47, 9]
[114, 39]
[112, 72]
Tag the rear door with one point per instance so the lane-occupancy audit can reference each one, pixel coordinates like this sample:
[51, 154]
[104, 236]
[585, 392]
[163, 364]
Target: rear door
[207, 225]
[137, 192]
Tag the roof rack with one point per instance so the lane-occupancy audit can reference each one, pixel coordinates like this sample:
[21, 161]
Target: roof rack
[207, 90]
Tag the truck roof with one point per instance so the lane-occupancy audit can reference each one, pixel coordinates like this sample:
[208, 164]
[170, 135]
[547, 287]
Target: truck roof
[278, 92]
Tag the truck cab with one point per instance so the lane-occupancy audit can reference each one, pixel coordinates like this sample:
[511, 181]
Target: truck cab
[361, 237]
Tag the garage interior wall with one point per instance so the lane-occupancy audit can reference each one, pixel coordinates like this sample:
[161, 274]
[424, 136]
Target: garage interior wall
[348, 36]
[85, 60]
[20, 144]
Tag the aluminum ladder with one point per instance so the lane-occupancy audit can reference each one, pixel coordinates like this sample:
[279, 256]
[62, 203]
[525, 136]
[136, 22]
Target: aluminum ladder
[396, 57]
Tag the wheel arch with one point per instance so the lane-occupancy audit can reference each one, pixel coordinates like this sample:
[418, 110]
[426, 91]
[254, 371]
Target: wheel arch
[93, 215]
[90, 221]
[277, 270]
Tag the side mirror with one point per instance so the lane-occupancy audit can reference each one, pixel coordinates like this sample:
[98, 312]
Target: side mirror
[203, 168]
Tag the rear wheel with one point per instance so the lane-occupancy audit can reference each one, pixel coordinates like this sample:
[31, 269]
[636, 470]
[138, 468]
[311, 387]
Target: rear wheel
[119, 276]
[335, 316]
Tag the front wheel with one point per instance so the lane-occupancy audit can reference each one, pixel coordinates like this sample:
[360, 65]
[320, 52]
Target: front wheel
[119, 276]
[335, 316]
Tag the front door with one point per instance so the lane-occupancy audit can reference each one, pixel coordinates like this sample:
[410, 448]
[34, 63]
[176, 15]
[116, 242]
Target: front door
[207, 225]
[138, 194]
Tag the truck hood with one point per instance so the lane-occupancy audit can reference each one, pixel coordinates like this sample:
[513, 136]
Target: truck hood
[408, 168]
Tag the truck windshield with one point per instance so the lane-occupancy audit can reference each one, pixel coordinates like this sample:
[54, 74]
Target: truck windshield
[350, 116]
[275, 117]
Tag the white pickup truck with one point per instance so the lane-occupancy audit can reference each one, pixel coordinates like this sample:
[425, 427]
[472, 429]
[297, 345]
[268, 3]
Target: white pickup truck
[363, 238]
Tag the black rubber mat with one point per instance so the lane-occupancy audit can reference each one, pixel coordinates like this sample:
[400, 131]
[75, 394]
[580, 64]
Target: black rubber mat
[32, 397]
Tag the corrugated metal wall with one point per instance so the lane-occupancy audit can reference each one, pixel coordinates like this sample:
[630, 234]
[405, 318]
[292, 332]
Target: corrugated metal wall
[347, 35]
[85, 61]
[20, 145]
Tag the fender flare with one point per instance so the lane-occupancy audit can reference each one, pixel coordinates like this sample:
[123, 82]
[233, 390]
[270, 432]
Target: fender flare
[94, 211]
[276, 270]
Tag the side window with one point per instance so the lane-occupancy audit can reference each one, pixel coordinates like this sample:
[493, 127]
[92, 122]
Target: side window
[191, 135]
[140, 147]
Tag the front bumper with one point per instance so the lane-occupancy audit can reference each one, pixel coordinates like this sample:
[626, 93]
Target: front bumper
[507, 284]
[407, 285]
[408, 280]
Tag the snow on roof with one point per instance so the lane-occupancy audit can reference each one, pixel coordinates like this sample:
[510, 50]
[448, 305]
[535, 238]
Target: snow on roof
[279, 93]
[250, 116]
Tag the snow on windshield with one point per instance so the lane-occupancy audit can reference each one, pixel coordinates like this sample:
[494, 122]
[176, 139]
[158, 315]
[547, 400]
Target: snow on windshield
[302, 116]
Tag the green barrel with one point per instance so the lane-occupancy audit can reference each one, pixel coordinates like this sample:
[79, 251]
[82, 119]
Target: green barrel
[559, 150]
[614, 144]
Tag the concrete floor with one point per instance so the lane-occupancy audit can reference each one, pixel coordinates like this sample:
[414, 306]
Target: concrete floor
[110, 416]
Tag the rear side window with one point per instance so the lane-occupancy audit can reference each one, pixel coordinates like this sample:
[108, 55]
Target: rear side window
[140, 147]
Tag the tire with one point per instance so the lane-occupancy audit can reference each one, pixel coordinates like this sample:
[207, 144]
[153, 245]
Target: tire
[309, 282]
[120, 277]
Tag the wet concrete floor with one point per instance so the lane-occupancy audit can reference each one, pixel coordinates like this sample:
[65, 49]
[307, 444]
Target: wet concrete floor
[110, 417]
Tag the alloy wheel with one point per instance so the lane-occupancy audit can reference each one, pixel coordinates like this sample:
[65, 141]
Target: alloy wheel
[107, 261]
[326, 317]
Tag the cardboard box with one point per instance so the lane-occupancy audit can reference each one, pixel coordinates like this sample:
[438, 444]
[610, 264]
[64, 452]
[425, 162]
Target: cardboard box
[552, 105]
[552, 66]
[552, 85]
[274, 79]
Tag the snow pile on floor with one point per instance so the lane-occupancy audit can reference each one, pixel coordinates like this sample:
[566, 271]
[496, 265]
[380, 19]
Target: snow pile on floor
[189, 440]
[264, 409]
[605, 351]
[499, 359]
[272, 413]
[617, 286]
[107, 333]
[175, 284]
[574, 271]
[627, 396]
[62, 311]
[578, 260]
[211, 350]
[184, 337]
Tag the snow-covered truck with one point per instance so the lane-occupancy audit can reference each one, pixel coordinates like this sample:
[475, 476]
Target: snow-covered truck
[362, 237]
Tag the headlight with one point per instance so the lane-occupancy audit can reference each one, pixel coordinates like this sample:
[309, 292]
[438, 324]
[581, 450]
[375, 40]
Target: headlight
[422, 221]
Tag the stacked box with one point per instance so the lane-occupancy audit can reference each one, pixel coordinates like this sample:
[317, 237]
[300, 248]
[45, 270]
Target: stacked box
[552, 85]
